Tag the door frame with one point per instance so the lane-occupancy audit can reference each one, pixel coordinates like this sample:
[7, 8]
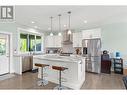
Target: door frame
[11, 66]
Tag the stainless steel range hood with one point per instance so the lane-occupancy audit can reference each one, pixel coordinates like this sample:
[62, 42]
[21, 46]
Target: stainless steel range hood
[67, 38]
[67, 42]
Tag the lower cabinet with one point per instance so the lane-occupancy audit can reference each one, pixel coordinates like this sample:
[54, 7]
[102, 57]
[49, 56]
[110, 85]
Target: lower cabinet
[106, 66]
[27, 63]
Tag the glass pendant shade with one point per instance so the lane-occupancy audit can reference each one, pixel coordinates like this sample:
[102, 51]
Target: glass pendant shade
[51, 34]
[59, 34]
[69, 31]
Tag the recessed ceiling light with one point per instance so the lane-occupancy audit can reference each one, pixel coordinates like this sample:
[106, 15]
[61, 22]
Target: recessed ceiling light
[59, 34]
[35, 27]
[49, 28]
[51, 34]
[32, 22]
[85, 21]
[69, 31]
[65, 25]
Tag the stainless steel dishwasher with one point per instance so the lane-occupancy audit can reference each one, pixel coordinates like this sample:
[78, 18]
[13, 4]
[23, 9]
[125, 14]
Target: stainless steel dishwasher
[27, 63]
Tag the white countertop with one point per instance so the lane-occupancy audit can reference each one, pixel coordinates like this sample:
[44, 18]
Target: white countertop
[56, 57]
[27, 54]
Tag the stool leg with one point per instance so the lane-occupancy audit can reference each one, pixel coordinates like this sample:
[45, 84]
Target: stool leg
[60, 87]
[60, 78]
[42, 81]
[42, 73]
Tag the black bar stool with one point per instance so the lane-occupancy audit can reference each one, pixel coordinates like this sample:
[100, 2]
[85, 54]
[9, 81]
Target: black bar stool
[60, 69]
[42, 81]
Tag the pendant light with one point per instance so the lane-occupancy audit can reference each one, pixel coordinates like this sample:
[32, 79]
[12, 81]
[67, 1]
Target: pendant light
[51, 34]
[69, 30]
[59, 34]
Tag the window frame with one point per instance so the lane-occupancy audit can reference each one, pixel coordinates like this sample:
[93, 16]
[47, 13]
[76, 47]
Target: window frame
[25, 31]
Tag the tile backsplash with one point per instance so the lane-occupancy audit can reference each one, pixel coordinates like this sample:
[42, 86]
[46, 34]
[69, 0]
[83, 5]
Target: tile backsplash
[67, 48]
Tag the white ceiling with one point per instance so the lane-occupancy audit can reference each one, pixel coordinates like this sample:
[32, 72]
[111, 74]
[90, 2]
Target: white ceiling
[95, 15]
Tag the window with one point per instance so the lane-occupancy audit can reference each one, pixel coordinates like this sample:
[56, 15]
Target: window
[30, 43]
[2, 46]
[38, 43]
[23, 43]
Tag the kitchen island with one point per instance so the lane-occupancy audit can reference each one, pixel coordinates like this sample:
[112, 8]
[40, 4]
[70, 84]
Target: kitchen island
[74, 76]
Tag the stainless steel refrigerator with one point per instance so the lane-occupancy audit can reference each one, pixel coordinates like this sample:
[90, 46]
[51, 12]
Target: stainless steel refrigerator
[92, 52]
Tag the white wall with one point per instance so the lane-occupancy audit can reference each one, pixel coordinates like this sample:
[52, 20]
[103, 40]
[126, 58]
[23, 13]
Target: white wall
[9, 27]
[114, 38]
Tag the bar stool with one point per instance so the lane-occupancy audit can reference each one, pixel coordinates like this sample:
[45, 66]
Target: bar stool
[60, 69]
[42, 81]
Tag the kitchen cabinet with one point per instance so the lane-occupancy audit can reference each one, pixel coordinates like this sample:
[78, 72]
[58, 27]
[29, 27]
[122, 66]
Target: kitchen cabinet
[96, 33]
[77, 39]
[49, 41]
[106, 66]
[53, 41]
[91, 33]
[22, 63]
[58, 41]
[86, 34]
[75, 74]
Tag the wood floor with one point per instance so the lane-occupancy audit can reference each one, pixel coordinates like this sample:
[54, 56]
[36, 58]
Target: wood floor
[93, 81]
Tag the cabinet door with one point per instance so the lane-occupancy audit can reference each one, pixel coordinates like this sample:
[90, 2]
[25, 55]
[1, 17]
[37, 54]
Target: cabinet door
[87, 34]
[49, 41]
[53, 41]
[57, 41]
[46, 41]
[92, 33]
[80, 39]
[97, 33]
[77, 39]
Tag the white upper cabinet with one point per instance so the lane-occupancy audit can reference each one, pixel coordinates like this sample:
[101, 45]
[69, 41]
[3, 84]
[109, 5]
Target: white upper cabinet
[77, 39]
[58, 41]
[91, 34]
[53, 41]
[49, 41]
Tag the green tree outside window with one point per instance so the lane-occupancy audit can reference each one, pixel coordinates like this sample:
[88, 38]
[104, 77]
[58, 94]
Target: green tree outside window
[2, 46]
